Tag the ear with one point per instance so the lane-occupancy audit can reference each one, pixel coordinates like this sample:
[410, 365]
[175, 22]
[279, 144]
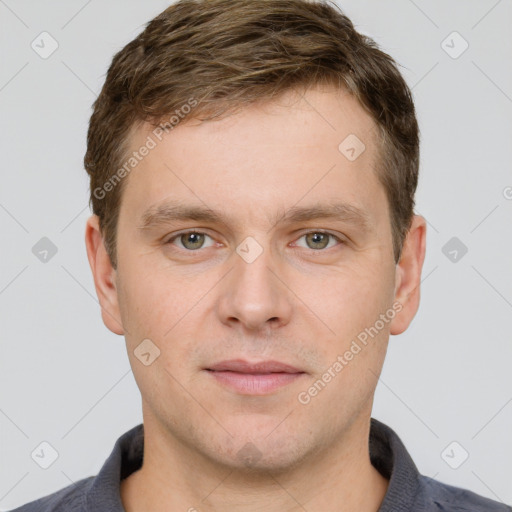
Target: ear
[104, 276]
[408, 275]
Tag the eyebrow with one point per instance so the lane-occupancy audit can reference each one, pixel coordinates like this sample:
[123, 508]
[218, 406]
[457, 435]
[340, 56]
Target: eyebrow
[168, 212]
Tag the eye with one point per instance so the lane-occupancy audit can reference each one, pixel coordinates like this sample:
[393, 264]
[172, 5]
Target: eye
[194, 240]
[190, 241]
[318, 240]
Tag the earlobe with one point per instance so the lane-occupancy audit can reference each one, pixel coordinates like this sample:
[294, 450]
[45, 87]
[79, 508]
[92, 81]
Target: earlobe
[104, 276]
[408, 275]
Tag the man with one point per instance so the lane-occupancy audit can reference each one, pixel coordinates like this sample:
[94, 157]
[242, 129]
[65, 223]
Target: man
[253, 167]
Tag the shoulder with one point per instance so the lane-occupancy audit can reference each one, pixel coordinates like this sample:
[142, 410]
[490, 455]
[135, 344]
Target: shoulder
[68, 499]
[455, 499]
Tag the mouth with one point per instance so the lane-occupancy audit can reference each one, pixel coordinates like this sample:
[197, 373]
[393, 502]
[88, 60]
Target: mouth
[259, 378]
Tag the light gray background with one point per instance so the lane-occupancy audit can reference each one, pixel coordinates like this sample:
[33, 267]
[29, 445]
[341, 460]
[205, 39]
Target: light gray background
[66, 379]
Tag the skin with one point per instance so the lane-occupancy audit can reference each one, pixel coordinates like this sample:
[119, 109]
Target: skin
[295, 303]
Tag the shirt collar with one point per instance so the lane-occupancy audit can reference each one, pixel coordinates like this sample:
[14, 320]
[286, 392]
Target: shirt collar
[390, 457]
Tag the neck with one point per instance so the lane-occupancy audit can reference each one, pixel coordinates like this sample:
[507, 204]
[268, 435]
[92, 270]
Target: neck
[175, 477]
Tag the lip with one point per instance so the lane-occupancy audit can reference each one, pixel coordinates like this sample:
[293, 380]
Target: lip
[242, 366]
[259, 378]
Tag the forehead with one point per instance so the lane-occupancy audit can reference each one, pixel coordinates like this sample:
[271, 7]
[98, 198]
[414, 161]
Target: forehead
[321, 146]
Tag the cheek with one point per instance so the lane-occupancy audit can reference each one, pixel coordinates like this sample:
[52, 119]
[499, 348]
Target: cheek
[349, 300]
[352, 359]
[154, 301]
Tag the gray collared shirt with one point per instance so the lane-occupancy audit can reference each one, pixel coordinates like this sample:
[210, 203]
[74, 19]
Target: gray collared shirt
[408, 491]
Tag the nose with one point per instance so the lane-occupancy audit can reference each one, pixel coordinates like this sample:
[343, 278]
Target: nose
[254, 295]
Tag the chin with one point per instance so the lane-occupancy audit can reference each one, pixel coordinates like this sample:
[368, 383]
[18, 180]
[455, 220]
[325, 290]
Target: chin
[274, 452]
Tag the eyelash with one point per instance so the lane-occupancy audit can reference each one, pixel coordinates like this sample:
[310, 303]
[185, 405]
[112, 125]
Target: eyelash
[319, 231]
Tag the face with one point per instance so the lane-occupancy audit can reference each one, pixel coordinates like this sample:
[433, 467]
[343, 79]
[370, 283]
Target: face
[258, 240]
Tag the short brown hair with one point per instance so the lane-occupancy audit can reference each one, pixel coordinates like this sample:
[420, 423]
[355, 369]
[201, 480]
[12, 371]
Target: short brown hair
[228, 54]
